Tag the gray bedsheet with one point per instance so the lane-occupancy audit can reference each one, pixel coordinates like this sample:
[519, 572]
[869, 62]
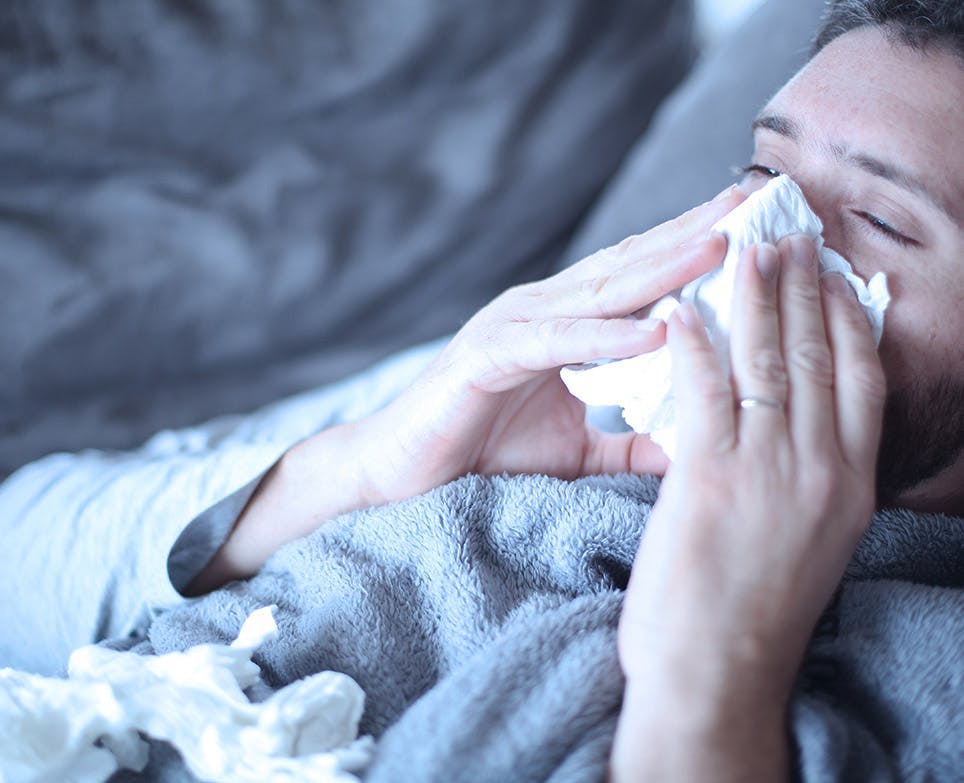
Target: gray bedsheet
[480, 620]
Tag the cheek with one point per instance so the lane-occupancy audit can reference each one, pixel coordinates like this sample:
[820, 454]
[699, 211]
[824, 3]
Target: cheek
[922, 339]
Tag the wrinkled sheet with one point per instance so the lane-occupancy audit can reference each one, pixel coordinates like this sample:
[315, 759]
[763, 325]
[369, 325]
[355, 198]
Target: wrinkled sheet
[480, 620]
[86, 535]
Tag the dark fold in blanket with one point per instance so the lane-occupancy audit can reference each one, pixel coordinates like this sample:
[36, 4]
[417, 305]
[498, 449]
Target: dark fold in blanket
[480, 619]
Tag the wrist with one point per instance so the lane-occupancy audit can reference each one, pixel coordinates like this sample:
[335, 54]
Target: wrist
[672, 736]
[324, 475]
[706, 659]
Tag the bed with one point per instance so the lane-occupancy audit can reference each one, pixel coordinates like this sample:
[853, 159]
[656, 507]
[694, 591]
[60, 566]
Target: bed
[229, 226]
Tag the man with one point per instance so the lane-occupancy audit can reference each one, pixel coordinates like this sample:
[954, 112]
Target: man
[873, 132]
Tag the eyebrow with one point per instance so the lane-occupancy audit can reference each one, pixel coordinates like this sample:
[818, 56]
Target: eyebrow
[787, 127]
[778, 124]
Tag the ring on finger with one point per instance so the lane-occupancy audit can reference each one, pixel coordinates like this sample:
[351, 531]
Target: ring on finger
[749, 403]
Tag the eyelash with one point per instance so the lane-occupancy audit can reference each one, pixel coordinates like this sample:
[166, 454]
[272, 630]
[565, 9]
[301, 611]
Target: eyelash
[886, 230]
[756, 168]
[881, 226]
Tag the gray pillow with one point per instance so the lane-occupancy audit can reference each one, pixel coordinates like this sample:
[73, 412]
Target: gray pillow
[206, 206]
[703, 130]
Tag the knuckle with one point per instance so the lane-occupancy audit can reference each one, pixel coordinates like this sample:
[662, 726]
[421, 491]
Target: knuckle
[716, 392]
[519, 301]
[712, 389]
[625, 246]
[766, 366]
[593, 287]
[762, 305]
[558, 329]
[849, 311]
[869, 380]
[821, 483]
[813, 359]
[508, 299]
[804, 297]
[487, 336]
[532, 291]
[680, 222]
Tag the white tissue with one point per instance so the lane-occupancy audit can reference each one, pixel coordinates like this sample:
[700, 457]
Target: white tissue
[641, 386]
[194, 700]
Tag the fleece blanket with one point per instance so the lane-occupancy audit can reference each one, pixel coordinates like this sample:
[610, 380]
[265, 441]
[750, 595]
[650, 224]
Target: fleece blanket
[480, 620]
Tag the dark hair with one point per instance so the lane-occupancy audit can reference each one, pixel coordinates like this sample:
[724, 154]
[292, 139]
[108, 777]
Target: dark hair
[920, 24]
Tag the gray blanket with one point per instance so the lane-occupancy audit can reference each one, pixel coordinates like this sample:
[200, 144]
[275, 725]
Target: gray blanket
[480, 620]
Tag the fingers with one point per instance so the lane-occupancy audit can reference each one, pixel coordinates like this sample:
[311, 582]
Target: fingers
[515, 350]
[640, 269]
[705, 420]
[693, 224]
[809, 347]
[633, 284]
[756, 354]
[807, 355]
[858, 377]
[610, 453]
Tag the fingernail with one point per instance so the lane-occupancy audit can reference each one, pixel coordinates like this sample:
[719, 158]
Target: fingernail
[688, 315]
[836, 284]
[767, 261]
[649, 324]
[803, 251]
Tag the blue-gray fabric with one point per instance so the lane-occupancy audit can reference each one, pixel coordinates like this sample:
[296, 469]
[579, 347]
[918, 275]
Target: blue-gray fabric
[206, 206]
[480, 619]
[86, 536]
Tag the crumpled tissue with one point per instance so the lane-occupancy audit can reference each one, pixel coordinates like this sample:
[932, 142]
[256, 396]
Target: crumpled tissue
[642, 385]
[81, 730]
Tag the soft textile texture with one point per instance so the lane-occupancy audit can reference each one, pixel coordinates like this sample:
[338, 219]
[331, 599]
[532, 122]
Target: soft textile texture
[206, 206]
[480, 620]
[85, 535]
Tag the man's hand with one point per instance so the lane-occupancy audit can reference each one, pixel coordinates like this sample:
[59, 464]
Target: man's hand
[493, 401]
[755, 523]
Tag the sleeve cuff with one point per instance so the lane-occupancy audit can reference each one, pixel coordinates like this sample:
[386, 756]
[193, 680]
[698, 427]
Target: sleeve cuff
[205, 534]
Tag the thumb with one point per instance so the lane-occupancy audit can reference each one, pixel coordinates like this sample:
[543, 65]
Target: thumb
[624, 452]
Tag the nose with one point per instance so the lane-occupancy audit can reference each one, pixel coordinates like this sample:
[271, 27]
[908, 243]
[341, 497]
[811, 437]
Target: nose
[824, 200]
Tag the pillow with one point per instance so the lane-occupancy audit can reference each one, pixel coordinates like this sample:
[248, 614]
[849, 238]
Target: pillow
[703, 130]
[206, 206]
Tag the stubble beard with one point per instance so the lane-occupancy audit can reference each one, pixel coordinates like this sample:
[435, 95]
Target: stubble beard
[923, 433]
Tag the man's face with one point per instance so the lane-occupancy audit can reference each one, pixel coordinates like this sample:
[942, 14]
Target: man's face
[873, 132]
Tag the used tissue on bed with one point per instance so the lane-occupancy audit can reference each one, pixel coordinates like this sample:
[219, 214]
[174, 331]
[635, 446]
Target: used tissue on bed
[83, 729]
[641, 385]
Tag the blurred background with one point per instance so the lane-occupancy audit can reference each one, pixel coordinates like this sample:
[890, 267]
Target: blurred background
[715, 18]
[206, 206]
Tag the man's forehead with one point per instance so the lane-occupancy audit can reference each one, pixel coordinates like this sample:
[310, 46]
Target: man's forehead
[889, 110]
[926, 182]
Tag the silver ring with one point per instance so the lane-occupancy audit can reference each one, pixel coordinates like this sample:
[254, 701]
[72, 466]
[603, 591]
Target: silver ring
[760, 402]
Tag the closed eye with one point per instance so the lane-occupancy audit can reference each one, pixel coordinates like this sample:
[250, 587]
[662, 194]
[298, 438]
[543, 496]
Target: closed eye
[757, 169]
[884, 228]
[878, 225]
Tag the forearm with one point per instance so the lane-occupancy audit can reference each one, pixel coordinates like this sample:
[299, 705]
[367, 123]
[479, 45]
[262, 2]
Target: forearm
[688, 739]
[314, 481]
